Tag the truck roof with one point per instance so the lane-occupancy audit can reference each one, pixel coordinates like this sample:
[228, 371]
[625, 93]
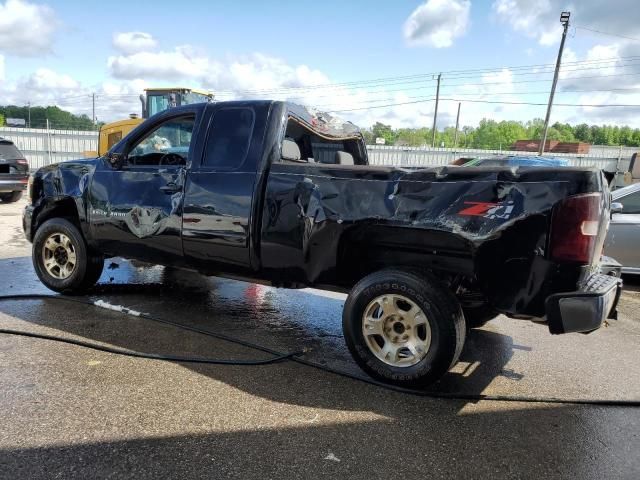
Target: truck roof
[324, 124]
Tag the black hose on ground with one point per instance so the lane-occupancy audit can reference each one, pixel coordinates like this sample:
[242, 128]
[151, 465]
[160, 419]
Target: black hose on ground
[151, 356]
[295, 357]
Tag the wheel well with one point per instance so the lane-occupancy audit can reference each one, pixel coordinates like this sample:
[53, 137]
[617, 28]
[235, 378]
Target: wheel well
[63, 208]
[363, 250]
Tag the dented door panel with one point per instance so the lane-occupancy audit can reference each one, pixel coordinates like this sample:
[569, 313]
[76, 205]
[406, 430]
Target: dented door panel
[132, 214]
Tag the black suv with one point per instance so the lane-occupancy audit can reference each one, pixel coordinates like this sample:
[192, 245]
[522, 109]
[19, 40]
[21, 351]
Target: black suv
[14, 172]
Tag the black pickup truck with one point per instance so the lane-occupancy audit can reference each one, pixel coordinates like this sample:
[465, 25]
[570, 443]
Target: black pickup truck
[271, 192]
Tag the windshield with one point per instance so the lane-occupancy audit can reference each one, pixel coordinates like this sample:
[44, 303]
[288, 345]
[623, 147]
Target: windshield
[157, 103]
[8, 151]
[191, 97]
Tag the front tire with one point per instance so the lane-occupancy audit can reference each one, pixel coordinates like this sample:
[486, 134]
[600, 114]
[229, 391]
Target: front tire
[62, 259]
[403, 327]
[11, 197]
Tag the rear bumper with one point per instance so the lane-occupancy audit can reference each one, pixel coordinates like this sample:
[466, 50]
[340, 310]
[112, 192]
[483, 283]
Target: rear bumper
[16, 184]
[584, 310]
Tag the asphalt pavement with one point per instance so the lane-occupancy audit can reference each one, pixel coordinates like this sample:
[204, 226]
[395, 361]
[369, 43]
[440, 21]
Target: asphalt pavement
[69, 412]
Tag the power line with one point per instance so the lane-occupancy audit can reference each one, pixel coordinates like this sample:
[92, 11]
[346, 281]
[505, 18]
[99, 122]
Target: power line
[614, 105]
[386, 90]
[606, 33]
[577, 77]
[594, 105]
[482, 84]
[481, 97]
[454, 74]
[523, 70]
[342, 94]
[465, 84]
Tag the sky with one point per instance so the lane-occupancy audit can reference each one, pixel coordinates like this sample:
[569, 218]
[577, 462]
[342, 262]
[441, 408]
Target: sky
[367, 61]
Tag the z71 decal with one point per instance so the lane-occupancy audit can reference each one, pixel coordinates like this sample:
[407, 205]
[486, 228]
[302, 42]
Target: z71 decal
[488, 210]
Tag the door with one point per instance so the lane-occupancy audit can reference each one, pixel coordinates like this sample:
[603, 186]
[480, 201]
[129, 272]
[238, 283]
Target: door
[135, 209]
[220, 188]
[623, 238]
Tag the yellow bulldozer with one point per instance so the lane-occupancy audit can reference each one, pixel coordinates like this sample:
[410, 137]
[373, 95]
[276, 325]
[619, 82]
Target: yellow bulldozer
[154, 100]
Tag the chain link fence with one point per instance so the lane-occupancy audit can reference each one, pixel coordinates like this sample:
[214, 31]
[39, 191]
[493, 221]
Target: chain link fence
[45, 146]
[608, 158]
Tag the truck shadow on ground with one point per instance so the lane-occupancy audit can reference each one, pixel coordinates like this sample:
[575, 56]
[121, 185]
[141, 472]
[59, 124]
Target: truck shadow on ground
[631, 282]
[282, 320]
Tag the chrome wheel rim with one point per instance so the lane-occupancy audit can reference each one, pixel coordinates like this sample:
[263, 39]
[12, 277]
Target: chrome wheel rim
[59, 256]
[396, 330]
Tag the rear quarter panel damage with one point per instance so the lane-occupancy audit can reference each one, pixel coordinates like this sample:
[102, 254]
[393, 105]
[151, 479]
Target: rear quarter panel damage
[322, 223]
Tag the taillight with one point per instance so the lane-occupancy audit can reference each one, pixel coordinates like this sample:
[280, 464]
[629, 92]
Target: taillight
[574, 228]
[21, 161]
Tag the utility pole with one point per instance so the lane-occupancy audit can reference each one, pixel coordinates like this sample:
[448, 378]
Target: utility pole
[564, 20]
[455, 138]
[435, 114]
[93, 102]
[29, 110]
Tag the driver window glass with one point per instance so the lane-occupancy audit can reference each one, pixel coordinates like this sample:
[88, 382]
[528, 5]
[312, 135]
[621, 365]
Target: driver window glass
[630, 203]
[168, 144]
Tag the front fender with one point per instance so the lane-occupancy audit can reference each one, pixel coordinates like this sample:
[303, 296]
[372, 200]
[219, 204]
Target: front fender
[60, 190]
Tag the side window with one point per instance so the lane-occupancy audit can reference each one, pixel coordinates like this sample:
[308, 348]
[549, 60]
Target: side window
[113, 138]
[630, 203]
[168, 144]
[230, 133]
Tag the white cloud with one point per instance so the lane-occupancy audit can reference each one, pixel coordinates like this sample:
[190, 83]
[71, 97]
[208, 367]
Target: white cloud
[133, 42]
[603, 69]
[436, 23]
[45, 80]
[1, 68]
[178, 64]
[540, 19]
[262, 72]
[26, 29]
[619, 17]
[536, 19]
[256, 72]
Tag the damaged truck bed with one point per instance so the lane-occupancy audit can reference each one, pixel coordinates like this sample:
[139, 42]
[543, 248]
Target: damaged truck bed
[273, 192]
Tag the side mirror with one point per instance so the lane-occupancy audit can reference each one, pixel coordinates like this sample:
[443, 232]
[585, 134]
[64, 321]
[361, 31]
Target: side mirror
[616, 207]
[116, 160]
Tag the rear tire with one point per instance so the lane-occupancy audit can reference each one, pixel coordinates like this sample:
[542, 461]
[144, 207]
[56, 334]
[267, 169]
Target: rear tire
[11, 197]
[403, 327]
[62, 259]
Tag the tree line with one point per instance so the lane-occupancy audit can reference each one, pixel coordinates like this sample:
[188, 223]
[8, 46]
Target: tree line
[57, 117]
[493, 135]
